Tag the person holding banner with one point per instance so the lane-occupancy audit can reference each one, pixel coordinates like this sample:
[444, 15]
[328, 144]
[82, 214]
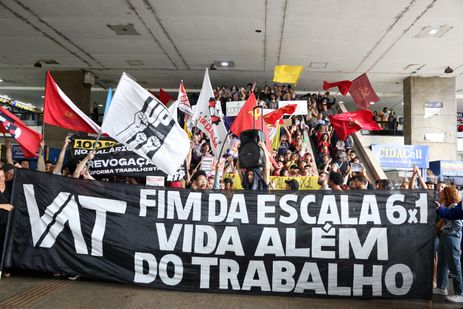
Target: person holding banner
[4, 194]
[449, 253]
[5, 206]
[453, 213]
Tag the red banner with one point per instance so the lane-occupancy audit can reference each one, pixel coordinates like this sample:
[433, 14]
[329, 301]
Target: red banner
[28, 139]
[347, 123]
[343, 86]
[362, 92]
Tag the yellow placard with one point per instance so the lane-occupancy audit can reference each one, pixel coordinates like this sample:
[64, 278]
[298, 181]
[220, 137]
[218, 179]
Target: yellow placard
[88, 144]
[305, 182]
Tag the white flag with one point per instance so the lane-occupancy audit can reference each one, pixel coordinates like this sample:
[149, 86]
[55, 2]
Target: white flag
[208, 117]
[141, 122]
[184, 103]
[173, 110]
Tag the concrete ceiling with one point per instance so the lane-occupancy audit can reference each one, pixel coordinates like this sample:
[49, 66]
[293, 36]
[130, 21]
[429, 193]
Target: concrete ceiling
[177, 39]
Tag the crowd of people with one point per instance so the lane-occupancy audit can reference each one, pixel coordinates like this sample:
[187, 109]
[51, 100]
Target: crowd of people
[306, 146]
[387, 119]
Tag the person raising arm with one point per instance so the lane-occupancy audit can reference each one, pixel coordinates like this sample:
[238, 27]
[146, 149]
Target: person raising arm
[81, 169]
[454, 213]
[59, 163]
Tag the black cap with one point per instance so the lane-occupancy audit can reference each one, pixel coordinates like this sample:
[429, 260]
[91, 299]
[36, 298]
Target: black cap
[293, 184]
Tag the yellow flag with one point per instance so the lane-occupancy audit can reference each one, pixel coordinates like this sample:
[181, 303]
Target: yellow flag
[287, 73]
[276, 139]
[188, 132]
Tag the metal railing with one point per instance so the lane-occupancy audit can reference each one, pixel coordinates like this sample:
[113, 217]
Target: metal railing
[389, 128]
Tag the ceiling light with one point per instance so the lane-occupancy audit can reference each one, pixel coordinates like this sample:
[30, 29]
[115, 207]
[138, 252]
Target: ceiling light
[413, 67]
[1, 80]
[49, 61]
[318, 65]
[100, 105]
[224, 64]
[433, 32]
[372, 103]
[402, 103]
[127, 29]
[135, 62]
[43, 97]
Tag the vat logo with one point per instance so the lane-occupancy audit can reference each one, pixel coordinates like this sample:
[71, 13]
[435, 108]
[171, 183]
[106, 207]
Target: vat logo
[64, 209]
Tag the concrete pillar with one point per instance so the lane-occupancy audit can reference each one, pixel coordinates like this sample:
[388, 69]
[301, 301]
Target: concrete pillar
[438, 131]
[72, 84]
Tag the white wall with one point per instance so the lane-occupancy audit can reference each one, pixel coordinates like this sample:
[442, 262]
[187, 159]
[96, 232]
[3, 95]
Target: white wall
[368, 140]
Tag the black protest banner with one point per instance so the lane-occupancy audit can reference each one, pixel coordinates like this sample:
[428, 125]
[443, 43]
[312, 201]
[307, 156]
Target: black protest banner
[318, 243]
[113, 158]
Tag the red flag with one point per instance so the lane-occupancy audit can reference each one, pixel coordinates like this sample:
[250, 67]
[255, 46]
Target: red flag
[273, 117]
[60, 111]
[342, 85]
[362, 92]
[28, 139]
[246, 120]
[164, 97]
[347, 123]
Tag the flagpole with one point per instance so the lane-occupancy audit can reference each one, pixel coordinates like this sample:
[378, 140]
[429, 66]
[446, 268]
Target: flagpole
[107, 104]
[97, 140]
[43, 129]
[199, 165]
[43, 110]
[217, 176]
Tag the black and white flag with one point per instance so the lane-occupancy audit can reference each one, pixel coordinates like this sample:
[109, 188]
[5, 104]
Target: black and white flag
[141, 122]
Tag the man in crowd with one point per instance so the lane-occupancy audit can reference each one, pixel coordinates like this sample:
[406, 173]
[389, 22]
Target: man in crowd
[292, 185]
[199, 180]
[335, 181]
[360, 182]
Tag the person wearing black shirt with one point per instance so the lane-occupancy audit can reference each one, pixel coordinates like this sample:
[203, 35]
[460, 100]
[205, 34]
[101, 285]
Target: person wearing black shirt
[5, 207]
[94, 113]
[4, 194]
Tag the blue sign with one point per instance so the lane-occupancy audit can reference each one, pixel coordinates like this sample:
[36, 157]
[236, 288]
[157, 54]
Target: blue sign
[447, 168]
[17, 152]
[401, 156]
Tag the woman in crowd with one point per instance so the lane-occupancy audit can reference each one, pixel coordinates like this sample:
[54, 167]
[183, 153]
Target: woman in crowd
[449, 253]
[5, 207]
